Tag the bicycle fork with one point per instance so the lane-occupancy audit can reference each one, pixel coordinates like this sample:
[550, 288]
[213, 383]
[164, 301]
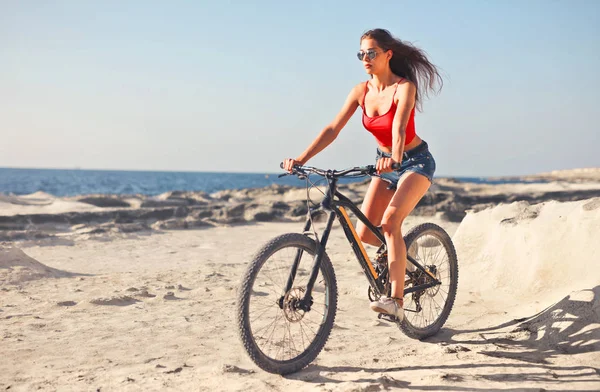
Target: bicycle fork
[306, 302]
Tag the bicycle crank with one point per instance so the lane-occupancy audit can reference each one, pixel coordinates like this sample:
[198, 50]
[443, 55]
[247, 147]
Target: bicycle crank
[388, 317]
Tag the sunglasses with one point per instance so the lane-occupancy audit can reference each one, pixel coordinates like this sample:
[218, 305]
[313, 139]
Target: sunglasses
[370, 54]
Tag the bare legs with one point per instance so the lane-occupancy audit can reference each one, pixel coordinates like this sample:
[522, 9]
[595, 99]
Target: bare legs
[376, 201]
[388, 208]
[411, 188]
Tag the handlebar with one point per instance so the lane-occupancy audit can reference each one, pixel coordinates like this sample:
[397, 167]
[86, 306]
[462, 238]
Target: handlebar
[368, 170]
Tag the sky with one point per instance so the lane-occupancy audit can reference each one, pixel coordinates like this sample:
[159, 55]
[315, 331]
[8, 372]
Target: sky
[237, 86]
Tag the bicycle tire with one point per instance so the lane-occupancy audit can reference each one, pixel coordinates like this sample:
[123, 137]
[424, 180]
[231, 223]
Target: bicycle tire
[413, 235]
[260, 358]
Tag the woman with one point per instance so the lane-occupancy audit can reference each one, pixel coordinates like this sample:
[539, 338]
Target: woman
[388, 101]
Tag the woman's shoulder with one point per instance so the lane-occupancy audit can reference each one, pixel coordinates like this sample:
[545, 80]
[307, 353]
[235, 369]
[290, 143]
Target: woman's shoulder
[358, 91]
[406, 85]
[360, 87]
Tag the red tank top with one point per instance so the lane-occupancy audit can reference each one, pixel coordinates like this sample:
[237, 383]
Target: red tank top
[381, 126]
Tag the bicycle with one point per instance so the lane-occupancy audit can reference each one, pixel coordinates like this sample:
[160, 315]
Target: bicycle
[301, 292]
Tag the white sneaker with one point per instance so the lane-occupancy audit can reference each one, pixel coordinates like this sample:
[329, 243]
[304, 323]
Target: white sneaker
[388, 306]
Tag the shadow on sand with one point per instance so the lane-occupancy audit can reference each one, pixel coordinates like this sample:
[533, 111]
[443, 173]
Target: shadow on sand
[571, 326]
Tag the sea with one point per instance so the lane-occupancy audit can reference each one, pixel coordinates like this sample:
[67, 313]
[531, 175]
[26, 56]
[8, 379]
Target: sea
[72, 182]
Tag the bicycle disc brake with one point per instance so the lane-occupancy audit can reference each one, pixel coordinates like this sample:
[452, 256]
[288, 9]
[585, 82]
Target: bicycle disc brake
[291, 304]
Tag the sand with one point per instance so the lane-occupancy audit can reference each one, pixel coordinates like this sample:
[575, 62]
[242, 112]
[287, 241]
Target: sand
[156, 311]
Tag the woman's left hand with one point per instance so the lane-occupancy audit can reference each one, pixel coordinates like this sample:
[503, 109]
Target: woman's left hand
[384, 165]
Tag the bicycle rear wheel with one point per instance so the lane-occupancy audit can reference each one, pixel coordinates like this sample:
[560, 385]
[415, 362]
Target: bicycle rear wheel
[279, 337]
[426, 311]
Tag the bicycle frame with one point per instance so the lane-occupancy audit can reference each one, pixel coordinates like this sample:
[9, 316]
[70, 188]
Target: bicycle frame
[335, 204]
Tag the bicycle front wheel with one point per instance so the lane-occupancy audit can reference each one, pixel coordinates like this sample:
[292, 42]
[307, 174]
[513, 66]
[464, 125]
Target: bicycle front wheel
[426, 311]
[278, 336]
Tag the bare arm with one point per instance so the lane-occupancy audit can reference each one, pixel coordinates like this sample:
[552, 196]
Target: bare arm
[331, 131]
[406, 101]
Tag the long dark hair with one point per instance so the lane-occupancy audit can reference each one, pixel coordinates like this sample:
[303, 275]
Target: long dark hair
[408, 62]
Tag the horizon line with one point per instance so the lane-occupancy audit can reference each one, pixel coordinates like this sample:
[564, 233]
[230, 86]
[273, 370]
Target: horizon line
[250, 172]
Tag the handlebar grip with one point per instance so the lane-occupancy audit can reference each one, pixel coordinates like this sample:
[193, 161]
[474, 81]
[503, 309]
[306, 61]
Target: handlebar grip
[296, 166]
[396, 165]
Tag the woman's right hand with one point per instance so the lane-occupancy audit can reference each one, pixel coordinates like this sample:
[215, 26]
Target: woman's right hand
[289, 163]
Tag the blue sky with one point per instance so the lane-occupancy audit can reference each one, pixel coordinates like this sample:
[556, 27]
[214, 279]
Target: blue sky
[238, 86]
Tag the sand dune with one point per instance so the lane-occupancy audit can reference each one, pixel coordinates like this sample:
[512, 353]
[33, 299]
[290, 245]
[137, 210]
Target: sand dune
[156, 312]
[537, 265]
[16, 267]
[523, 250]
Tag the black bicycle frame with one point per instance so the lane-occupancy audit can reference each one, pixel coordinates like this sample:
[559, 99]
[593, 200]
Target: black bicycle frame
[337, 208]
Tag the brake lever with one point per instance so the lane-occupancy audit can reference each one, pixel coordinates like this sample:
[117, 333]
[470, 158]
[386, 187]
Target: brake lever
[297, 171]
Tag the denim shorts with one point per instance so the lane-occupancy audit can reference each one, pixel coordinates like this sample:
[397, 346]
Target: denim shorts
[418, 160]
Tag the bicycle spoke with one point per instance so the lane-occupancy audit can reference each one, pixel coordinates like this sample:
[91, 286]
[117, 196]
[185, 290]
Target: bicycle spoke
[292, 340]
[260, 305]
[272, 332]
[435, 302]
[267, 327]
[281, 274]
[275, 284]
[308, 321]
[432, 250]
[283, 334]
[259, 316]
[302, 334]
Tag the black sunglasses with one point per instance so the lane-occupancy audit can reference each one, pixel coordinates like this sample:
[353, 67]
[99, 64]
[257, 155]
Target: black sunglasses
[370, 54]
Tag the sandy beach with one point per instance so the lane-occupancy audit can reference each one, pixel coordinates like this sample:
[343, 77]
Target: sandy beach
[159, 162]
[145, 300]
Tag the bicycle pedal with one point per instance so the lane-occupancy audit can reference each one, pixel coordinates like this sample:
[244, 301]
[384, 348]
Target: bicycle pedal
[387, 317]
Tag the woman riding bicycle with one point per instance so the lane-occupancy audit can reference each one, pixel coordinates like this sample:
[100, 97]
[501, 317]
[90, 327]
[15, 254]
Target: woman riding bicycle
[400, 75]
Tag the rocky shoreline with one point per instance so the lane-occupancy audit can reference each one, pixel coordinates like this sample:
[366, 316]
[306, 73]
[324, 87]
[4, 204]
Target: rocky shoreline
[33, 217]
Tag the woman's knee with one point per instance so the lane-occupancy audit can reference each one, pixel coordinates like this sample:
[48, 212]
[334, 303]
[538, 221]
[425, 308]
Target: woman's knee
[364, 234]
[391, 223]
